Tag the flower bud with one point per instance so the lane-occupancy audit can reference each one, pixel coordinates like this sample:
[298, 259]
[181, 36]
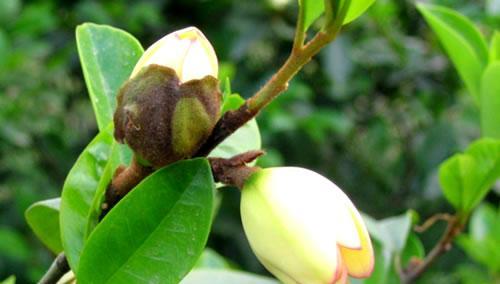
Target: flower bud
[171, 103]
[303, 228]
[187, 51]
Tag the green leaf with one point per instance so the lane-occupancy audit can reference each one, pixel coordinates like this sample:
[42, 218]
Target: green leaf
[311, 10]
[463, 42]
[356, 9]
[108, 56]
[413, 249]
[490, 101]
[211, 259]
[43, 218]
[10, 280]
[495, 47]
[244, 139]
[78, 193]
[391, 232]
[157, 232]
[466, 178]
[483, 239]
[209, 276]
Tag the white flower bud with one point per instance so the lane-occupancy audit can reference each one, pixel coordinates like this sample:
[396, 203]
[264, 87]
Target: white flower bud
[303, 228]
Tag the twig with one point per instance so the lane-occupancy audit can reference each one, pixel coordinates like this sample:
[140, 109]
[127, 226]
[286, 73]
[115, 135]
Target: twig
[57, 269]
[232, 120]
[432, 220]
[455, 226]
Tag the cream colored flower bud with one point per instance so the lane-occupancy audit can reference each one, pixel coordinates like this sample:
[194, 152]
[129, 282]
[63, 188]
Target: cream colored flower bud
[303, 228]
[187, 51]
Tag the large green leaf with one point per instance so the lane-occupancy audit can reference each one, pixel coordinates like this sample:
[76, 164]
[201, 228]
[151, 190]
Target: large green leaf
[108, 56]
[43, 218]
[495, 47]
[463, 42]
[78, 194]
[466, 178]
[209, 276]
[157, 232]
[490, 101]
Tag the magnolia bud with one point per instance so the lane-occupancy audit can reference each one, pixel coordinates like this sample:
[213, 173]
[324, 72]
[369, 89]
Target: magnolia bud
[171, 103]
[303, 228]
[187, 51]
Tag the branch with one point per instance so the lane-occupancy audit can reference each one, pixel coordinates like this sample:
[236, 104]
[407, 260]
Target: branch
[232, 120]
[57, 269]
[234, 171]
[411, 273]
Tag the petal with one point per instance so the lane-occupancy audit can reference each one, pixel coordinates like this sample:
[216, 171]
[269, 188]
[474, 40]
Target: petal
[197, 63]
[359, 262]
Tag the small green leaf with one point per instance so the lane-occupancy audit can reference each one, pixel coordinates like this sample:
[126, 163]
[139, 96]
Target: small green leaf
[10, 280]
[356, 9]
[43, 218]
[463, 42]
[157, 232]
[490, 101]
[495, 47]
[311, 10]
[211, 259]
[466, 178]
[391, 232]
[244, 139]
[108, 56]
[413, 249]
[210, 276]
[79, 191]
[483, 239]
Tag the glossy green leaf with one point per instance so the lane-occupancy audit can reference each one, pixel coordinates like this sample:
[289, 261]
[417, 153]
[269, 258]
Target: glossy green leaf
[490, 101]
[210, 276]
[483, 240]
[413, 249]
[463, 42]
[108, 56]
[78, 193]
[495, 47]
[157, 232]
[311, 10]
[466, 178]
[356, 9]
[43, 218]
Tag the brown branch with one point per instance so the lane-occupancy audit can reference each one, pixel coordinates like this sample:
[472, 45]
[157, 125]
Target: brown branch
[124, 180]
[411, 273]
[432, 220]
[56, 270]
[234, 171]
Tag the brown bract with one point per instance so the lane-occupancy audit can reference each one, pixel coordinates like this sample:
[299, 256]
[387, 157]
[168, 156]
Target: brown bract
[162, 120]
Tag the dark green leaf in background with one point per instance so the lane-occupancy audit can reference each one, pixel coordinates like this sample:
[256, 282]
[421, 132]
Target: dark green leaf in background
[43, 218]
[490, 101]
[78, 194]
[462, 41]
[157, 232]
[108, 56]
[466, 178]
[9, 280]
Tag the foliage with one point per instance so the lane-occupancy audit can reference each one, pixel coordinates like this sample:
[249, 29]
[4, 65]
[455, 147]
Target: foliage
[382, 108]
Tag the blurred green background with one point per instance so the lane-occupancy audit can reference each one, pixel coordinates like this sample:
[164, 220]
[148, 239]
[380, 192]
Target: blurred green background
[376, 112]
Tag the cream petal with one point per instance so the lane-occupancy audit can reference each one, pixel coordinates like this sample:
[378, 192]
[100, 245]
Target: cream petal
[359, 262]
[197, 64]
